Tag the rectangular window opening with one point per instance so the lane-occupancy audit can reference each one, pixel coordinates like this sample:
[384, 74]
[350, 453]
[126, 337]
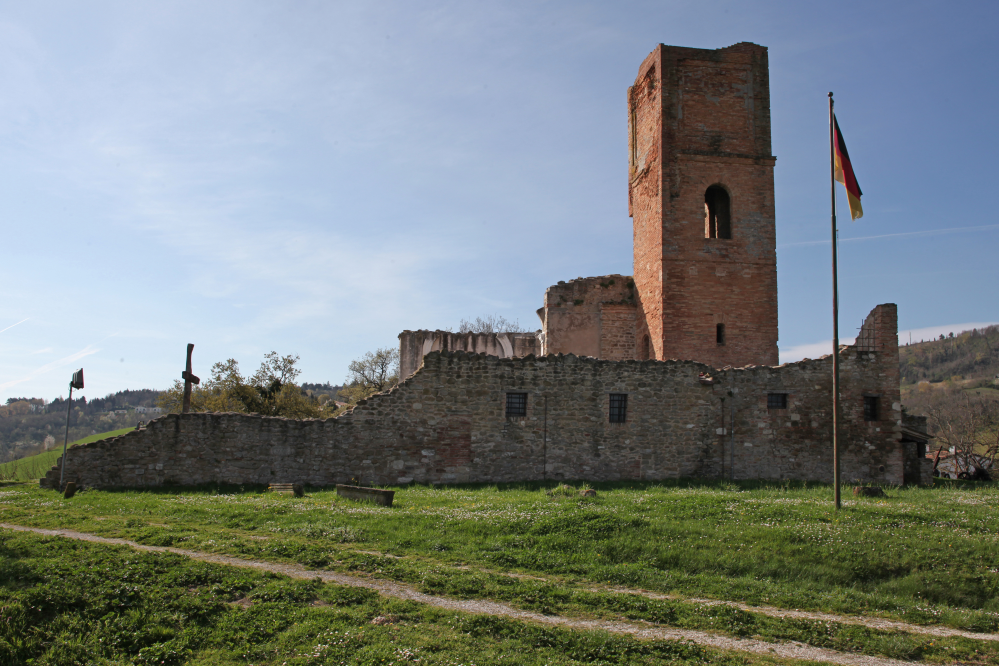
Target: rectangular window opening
[870, 408]
[776, 400]
[516, 404]
[720, 333]
[618, 407]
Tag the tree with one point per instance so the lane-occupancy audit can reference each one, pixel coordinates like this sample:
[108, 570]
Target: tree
[490, 324]
[372, 373]
[281, 368]
[271, 391]
[19, 408]
[967, 425]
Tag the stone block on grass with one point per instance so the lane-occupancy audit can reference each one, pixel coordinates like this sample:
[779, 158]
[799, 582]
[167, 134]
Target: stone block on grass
[382, 497]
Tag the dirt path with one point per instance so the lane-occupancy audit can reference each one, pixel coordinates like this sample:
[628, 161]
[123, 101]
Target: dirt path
[773, 611]
[791, 650]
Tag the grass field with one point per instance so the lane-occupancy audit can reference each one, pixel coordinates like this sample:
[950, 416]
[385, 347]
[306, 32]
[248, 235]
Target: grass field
[923, 555]
[35, 467]
[67, 603]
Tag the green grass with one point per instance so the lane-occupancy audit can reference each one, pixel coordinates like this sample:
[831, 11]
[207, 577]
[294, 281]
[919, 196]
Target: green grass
[35, 467]
[65, 603]
[923, 555]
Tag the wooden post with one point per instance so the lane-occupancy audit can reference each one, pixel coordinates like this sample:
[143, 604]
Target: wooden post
[189, 379]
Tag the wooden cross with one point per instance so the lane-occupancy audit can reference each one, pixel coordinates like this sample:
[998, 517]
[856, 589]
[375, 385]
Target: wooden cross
[189, 379]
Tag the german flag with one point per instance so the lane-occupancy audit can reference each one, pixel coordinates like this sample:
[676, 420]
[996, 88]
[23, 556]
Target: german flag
[845, 175]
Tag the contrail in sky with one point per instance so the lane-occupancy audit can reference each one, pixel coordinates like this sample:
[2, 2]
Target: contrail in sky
[13, 325]
[86, 351]
[928, 232]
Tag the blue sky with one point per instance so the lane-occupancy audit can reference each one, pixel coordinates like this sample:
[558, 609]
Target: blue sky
[313, 178]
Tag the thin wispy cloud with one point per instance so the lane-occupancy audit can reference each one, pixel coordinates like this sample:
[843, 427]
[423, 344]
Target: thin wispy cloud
[86, 351]
[314, 181]
[928, 232]
[13, 325]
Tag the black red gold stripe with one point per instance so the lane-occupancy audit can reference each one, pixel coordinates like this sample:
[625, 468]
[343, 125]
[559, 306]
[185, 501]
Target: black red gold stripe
[845, 175]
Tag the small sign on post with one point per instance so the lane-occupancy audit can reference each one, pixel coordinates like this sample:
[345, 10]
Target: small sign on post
[75, 383]
[189, 379]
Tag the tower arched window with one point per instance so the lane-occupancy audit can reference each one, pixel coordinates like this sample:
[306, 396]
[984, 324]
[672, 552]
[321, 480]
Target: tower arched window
[717, 213]
[645, 348]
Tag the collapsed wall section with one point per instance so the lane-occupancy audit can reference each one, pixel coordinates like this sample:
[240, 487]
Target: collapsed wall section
[452, 422]
[593, 316]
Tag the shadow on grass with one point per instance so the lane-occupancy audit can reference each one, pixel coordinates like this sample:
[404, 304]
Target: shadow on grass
[536, 486]
[963, 484]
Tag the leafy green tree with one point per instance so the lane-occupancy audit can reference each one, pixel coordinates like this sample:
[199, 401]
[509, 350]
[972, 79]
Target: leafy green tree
[374, 372]
[270, 391]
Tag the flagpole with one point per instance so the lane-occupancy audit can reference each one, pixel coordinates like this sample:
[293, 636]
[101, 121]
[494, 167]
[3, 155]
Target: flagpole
[835, 291]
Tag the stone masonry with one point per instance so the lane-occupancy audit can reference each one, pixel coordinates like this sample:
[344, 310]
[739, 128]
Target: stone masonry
[703, 294]
[590, 317]
[447, 424]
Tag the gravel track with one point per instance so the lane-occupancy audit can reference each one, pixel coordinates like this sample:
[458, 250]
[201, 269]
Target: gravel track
[790, 650]
[773, 611]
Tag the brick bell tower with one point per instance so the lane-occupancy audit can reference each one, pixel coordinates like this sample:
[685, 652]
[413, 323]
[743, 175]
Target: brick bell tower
[701, 195]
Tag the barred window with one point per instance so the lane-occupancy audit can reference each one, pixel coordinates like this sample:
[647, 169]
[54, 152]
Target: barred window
[516, 404]
[618, 407]
[776, 400]
[870, 408]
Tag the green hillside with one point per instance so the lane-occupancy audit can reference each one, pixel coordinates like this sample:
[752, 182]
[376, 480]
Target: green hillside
[970, 355]
[35, 467]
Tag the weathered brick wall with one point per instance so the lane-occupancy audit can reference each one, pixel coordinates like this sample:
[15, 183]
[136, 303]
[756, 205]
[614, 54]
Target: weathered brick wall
[414, 345]
[701, 117]
[617, 332]
[447, 424]
[590, 317]
[646, 203]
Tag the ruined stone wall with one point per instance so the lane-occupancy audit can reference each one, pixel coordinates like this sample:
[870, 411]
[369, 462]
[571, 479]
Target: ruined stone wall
[590, 317]
[713, 128]
[414, 345]
[447, 424]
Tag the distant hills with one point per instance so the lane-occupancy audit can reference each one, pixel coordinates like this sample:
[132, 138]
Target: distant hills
[26, 423]
[971, 356]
